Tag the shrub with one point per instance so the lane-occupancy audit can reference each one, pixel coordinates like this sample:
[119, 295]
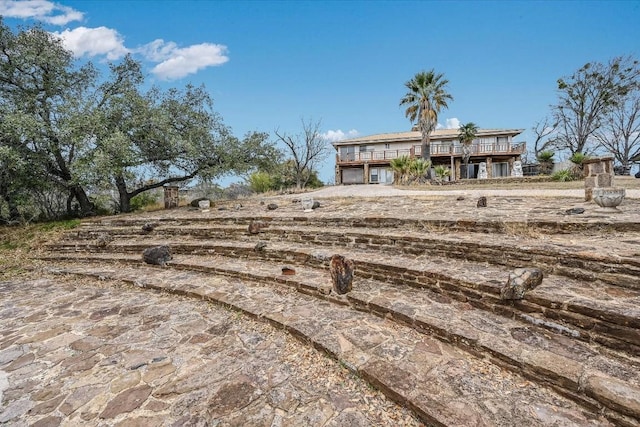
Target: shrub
[441, 172]
[261, 182]
[142, 200]
[578, 158]
[564, 175]
[545, 156]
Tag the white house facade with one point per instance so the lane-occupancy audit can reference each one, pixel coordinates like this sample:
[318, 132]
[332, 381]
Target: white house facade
[367, 160]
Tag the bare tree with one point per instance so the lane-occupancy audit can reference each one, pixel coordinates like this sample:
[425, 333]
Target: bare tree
[620, 133]
[545, 132]
[307, 150]
[587, 96]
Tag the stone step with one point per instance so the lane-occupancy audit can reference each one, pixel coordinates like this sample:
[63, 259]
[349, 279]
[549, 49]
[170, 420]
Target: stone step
[616, 261]
[442, 384]
[486, 221]
[589, 311]
[571, 367]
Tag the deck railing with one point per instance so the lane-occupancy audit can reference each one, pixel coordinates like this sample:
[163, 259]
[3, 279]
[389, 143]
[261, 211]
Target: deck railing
[436, 150]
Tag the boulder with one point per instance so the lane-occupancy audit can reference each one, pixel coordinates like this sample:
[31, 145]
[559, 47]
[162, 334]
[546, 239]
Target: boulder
[260, 246]
[288, 271]
[195, 203]
[482, 202]
[272, 206]
[256, 227]
[520, 281]
[149, 227]
[157, 255]
[342, 270]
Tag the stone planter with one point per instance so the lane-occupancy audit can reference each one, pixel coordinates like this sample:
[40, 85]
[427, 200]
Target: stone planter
[608, 198]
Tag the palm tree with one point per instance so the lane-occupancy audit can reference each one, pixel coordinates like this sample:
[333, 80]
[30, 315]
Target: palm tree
[400, 166]
[418, 168]
[426, 96]
[466, 134]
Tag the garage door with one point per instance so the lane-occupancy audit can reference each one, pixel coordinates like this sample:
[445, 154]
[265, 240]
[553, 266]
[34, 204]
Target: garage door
[353, 176]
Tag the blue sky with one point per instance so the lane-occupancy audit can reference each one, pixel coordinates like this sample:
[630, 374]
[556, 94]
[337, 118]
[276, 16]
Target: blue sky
[270, 63]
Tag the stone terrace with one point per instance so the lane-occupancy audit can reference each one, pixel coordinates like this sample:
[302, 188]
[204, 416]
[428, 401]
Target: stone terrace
[424, 323]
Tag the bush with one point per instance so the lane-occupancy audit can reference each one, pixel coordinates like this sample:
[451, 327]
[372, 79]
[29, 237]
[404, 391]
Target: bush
[545, 156]
[441, 172]
[261, 182]
[142, 200]
[578, 158]
[564, 175]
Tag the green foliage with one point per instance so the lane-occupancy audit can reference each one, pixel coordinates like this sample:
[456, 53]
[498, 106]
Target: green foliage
[426, 96]
[142, 200]
[261, 182]
[407, 169]
[418, 168]
[66, 129]
[578, 158]
[564, 175]
[546, 156]
[59, 225]
[441, 172]
[282, 176]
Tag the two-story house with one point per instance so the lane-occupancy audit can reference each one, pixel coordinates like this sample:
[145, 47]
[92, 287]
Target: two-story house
[367, 160]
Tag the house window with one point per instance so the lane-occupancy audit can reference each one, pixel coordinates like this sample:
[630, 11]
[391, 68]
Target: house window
[373, 178]
[500, 169]
[386, 146]
[503, 139]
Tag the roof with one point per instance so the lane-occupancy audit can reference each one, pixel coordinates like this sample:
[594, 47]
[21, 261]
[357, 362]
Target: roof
[416, 136]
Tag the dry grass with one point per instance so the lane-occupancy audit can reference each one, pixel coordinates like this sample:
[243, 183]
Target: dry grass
[19, 244]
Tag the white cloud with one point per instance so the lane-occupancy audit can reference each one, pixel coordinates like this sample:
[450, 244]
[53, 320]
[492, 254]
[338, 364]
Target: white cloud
[452, 123]
[41, 10]
[176, 62]
[339, 135]
[171, 61]
[93, 41]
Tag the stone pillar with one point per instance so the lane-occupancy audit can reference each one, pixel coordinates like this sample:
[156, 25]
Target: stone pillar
[171, 197]
[458, 165]
[482, 171]
[338, 179]
[366, 173]
[598, 173]
[489, 167]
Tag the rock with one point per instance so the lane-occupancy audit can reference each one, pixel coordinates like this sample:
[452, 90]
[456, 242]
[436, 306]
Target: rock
[288, 271]
[195, 203]
[482, 202]
[126, 401]
[103, 240]
[149, 227]
[520, 281]
[341, 270]
[460, 198]
[157, 255]
[316, 204]
[574, 211]
[256, 227]
[260, 246]
[204, 204]
[272, 206]
[238, 206]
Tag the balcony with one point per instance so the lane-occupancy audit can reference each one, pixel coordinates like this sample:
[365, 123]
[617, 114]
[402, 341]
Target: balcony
[437, 150]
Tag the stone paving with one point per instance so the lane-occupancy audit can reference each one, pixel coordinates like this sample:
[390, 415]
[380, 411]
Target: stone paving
[423, 323]
[87, 352]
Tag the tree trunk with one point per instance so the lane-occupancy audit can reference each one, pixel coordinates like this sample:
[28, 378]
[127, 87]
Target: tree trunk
[123, 196]
[85, 205]
[425, 148]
